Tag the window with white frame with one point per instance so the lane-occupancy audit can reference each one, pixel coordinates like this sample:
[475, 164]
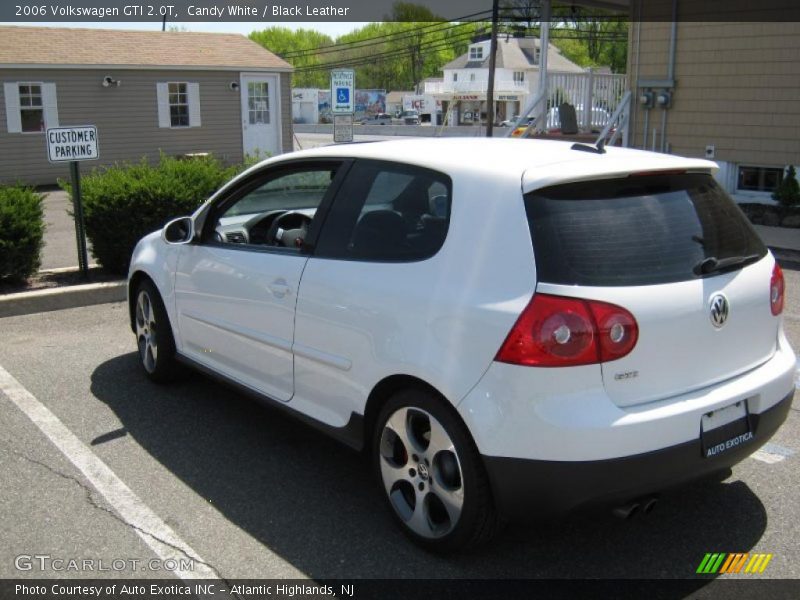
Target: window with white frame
[472, 76]
[30, 106]
[476, 53]
[759, 179]
[519, 76]
[455, 76]
[178, 104]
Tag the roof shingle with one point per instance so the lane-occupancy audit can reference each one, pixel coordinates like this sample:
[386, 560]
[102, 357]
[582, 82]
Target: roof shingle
[115, 47]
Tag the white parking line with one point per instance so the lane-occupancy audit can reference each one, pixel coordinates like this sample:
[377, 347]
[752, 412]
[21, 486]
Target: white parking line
[167, 545]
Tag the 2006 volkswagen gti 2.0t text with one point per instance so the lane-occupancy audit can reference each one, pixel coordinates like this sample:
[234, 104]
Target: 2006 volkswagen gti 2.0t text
[541, 330]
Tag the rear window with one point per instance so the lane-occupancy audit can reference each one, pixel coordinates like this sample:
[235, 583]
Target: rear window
[637, 230]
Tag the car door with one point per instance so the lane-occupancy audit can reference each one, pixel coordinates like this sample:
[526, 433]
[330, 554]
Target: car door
[236, 288]
[371, 286]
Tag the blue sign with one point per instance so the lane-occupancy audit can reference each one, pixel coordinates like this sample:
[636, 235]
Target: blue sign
[343, 95]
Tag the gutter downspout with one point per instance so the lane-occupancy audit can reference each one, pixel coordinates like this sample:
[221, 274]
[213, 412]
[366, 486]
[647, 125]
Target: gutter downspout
[544, 50]
[670, 69]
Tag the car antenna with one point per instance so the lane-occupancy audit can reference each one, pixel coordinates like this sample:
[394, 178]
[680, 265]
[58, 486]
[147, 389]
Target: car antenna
[599, 148]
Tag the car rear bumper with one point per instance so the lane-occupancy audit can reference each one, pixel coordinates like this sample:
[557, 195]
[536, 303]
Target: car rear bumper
[525, 488]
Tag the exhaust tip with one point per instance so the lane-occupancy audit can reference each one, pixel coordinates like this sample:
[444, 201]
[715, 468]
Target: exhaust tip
[626, 511]
[649, 505]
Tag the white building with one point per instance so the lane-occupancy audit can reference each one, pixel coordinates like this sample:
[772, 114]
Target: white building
[463, 87]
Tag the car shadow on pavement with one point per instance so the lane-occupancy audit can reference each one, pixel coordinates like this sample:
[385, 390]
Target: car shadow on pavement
[313, 502]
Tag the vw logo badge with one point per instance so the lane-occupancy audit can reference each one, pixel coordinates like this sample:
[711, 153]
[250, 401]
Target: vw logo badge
[718, 306]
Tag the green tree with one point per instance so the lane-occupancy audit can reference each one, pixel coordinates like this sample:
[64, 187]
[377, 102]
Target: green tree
[788, 191]
[283, 41]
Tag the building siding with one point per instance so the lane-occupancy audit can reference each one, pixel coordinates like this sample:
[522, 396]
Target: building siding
[737, 88]
[127, 119]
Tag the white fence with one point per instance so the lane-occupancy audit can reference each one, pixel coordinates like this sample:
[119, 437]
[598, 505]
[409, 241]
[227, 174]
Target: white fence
[602, 92]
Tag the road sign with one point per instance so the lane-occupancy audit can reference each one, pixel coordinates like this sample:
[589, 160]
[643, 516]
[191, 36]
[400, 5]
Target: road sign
[342, 91]
[68, 144]
[342, 128]
[73, 144]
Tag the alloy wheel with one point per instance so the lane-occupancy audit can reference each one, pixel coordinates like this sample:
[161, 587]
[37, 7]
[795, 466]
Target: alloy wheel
[421, 472]
[146, 331]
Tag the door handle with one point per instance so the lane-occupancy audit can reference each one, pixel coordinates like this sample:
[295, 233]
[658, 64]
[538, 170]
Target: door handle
[279, 288]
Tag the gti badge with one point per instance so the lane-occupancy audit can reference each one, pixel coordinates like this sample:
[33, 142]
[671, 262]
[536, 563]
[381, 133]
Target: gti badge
[718, 309]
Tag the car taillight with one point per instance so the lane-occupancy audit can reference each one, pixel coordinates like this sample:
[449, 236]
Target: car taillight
[776, 290]
[558, 331]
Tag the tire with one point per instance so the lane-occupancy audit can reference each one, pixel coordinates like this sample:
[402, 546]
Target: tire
[430, 473]
[154, 337]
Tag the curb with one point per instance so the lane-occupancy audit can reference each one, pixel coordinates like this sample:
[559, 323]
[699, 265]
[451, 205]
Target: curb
[24, 303]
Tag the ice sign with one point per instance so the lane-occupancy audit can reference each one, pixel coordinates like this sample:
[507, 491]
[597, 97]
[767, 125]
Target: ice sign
[342, 91]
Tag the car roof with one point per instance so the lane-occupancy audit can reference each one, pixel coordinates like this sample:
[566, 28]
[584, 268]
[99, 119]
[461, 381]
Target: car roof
[537, 163]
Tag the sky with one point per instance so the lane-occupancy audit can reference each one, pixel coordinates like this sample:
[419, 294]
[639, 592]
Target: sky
[333, 29]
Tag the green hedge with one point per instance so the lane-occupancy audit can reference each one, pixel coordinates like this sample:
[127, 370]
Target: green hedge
[21, 231]
[123, 203]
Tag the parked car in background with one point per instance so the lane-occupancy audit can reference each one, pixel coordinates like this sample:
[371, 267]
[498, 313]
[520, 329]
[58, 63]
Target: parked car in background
[378, 119]
[410, 117]
[562, 326]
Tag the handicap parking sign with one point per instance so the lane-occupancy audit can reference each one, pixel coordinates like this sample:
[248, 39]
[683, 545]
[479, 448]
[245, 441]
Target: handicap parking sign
[342, 91]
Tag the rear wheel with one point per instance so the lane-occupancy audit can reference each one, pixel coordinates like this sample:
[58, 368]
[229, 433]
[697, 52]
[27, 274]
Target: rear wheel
[154, 334]
[431, 474]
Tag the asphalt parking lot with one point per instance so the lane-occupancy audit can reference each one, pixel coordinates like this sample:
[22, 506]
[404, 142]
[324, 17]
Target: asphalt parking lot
[254, 493]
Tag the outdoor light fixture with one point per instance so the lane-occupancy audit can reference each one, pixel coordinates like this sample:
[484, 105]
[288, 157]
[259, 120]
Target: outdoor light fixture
[108, 81]
[234, 85]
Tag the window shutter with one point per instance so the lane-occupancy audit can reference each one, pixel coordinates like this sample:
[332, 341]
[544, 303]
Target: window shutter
[194, 104]
[50, 103]
[13, 118]
[162, 97]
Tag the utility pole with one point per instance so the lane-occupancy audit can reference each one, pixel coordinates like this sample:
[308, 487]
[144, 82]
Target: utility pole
[492, 60]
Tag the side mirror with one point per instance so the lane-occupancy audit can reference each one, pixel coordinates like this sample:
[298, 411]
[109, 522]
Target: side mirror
[179, 231]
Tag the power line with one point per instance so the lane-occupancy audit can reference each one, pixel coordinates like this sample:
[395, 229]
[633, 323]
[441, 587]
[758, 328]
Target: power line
[426, 47]
[387, 37]
[397, 52]
[381, 41]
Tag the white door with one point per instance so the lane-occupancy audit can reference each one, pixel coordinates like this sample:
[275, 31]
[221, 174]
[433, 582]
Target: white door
[261, 115]
[236, 288]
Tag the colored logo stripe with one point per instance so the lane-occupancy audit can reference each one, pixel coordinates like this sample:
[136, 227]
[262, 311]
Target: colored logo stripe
[723, 563]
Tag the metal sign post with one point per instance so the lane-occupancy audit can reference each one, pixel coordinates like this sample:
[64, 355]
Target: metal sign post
[80, 231]
[74, 144]
[343, 83]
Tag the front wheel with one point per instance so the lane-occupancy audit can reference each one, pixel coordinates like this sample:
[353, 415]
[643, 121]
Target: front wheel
[431, 474]
[154, 334]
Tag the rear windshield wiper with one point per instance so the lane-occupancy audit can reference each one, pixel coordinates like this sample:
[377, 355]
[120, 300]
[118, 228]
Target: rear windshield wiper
[712, 264]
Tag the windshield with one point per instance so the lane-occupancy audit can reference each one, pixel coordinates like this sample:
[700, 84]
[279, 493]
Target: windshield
[638, 230]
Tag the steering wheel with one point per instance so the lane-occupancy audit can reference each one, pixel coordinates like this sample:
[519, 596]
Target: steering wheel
[289, 230]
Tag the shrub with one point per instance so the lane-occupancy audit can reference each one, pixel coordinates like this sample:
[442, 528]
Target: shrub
[123, 203]
[21, 231]
[788, 192]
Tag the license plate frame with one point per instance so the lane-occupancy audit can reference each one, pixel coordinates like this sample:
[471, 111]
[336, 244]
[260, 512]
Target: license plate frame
[725, 429]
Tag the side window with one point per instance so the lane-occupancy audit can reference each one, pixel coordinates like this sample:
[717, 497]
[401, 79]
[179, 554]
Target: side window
[387, 212]
[274, 212]
[31, 107]
[178, 104]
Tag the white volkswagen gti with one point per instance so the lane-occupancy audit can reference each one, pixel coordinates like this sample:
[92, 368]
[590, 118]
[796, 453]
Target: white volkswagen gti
[509, 327]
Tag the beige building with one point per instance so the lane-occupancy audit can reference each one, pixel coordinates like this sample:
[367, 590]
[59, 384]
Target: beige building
[146, 92]
[732, 95]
